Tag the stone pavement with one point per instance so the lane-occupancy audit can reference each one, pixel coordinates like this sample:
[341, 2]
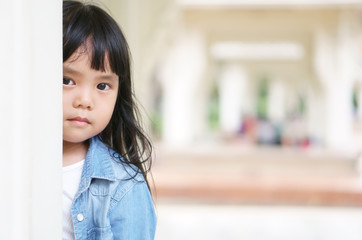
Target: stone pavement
[240, 174]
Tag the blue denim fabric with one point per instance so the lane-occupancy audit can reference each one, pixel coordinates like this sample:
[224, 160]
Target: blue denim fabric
[108, 204]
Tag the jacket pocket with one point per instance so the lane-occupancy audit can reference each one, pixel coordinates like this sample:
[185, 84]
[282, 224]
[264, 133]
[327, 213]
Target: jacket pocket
[100, 187]
[100, 234]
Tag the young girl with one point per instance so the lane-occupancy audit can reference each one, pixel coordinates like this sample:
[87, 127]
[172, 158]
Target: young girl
[106, 156]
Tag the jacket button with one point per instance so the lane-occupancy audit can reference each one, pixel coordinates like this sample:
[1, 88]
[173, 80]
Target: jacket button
[80, 217]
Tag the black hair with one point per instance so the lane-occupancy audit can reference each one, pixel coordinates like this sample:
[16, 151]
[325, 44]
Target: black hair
[86, 25]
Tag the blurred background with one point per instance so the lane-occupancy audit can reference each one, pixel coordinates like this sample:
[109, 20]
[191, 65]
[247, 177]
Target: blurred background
[255, 111]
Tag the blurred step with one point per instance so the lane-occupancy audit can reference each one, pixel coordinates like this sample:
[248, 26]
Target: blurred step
[262, 176]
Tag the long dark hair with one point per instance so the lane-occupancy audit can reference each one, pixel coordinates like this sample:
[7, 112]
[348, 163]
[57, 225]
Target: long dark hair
[88, 23]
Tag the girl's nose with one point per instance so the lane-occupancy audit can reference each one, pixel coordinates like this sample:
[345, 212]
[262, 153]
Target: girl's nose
[83, 100]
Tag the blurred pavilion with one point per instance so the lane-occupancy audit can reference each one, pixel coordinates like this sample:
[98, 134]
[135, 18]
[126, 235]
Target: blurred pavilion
[219, 78]
[203, 69]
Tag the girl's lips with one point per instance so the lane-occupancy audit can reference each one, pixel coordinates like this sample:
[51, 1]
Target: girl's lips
[79, 121]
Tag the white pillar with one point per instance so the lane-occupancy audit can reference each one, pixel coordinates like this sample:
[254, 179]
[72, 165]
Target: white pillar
[334, 64]
[314, 114]
[276, 101]
[31, 119]
[359, 99]
[181, 74]
[232, 83]
[147, 26]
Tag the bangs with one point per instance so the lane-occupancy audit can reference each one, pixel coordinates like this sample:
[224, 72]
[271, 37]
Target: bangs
[92, 28]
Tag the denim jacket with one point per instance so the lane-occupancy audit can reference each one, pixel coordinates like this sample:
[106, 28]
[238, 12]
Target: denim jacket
[109, 204]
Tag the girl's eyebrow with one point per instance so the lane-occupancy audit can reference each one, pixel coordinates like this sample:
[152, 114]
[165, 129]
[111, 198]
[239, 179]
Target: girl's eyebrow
[109, 77]
[68, 69]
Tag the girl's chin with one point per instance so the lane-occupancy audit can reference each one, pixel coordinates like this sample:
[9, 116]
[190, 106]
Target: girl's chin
[75, 140]
[77, 136]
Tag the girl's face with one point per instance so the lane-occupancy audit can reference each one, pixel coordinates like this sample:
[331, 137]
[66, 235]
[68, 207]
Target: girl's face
[89, 97]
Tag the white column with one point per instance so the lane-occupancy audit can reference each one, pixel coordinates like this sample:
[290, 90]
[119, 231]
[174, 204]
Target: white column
[231, 93]
[180, 75]
[276, 101]
[30, 105]
[315, 117]
[334, 61]
[359, 99]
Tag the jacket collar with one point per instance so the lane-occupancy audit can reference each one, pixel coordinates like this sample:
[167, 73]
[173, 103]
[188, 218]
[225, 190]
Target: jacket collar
[97, 164]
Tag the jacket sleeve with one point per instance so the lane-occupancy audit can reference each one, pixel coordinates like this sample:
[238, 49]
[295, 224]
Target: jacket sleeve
[132, 215]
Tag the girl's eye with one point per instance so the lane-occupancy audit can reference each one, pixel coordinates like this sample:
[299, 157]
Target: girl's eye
[67, 81]
[103, 86]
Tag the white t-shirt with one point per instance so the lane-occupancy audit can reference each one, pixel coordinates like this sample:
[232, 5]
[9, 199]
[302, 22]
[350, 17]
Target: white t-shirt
[71, 180]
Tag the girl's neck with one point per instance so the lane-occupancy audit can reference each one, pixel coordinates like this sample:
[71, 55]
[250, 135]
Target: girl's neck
[74, 152]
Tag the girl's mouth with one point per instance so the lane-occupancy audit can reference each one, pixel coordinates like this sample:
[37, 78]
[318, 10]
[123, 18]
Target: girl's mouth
[79, 121]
